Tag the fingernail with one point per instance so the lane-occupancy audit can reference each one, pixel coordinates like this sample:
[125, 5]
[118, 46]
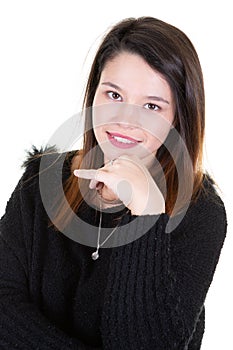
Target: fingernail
[76, 172]
[91, 185]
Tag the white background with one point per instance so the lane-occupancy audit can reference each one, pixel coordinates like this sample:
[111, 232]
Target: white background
[44, 62]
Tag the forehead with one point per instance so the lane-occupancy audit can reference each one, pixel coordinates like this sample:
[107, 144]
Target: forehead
[129, 70]
[127, 63]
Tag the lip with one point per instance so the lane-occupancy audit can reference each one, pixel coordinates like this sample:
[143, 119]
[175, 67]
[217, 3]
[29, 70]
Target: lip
[118, 144]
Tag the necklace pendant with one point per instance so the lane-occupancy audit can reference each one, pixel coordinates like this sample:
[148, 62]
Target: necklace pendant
[95, 255]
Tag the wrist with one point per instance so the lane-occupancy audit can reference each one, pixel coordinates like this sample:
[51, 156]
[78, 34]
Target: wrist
[149, 206]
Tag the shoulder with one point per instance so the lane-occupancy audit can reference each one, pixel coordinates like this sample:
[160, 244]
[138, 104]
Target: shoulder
[47, 160]
[209, 203]
[45, 170]
[34, 155]
[205, 216]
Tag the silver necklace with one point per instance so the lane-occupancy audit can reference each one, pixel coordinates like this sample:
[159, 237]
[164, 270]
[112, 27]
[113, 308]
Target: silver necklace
[95, 255]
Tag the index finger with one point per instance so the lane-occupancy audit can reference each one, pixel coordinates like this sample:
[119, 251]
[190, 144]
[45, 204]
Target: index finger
[85, 173]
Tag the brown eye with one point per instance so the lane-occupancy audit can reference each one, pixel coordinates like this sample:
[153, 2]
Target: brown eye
[152, 106]
[114, 95]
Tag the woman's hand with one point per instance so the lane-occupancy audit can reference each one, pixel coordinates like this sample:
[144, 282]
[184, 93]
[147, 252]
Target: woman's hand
[126, 179]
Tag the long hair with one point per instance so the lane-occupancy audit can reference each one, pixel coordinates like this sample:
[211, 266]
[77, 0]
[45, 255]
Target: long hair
[170, 52]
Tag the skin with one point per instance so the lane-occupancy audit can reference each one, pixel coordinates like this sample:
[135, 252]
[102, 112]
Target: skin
[128, 178]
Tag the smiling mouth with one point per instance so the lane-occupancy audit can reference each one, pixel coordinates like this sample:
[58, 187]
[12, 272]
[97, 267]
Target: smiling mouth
[122, 141]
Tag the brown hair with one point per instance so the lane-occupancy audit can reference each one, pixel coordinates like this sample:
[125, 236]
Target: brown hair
[168, 51]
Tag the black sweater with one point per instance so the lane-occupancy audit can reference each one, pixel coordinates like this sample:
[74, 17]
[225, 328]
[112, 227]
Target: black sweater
[148, 294]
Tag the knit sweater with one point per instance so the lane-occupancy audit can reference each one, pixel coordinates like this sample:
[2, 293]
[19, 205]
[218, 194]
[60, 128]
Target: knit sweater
[144, 295]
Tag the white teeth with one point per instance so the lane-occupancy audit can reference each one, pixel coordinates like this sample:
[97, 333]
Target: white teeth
[121, 139]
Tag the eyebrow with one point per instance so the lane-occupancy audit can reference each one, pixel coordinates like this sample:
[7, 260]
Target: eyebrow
[155, 98]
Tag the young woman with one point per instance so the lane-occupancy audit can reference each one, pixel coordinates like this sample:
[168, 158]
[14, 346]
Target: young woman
[137, 188]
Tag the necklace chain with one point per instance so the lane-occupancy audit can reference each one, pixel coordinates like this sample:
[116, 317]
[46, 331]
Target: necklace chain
[95, 255]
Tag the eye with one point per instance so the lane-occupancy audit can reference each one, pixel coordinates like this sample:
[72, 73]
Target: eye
[152, 106]
[114, 95]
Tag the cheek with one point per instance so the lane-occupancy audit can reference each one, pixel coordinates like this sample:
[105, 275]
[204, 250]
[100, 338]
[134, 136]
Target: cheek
[155, 141]
[153, 144]
[99, 134]
[98, 98]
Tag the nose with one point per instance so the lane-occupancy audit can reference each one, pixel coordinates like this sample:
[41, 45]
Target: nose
[129, 116]
[127, 125]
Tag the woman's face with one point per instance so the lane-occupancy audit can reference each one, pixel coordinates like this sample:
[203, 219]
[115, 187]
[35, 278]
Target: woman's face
[128, 79]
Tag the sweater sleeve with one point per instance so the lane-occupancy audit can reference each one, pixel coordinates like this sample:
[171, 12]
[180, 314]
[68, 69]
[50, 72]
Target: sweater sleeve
[162, 280]
[22, 324]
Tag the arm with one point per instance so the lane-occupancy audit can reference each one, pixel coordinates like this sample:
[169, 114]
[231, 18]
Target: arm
[162, 280]
[22, 324]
